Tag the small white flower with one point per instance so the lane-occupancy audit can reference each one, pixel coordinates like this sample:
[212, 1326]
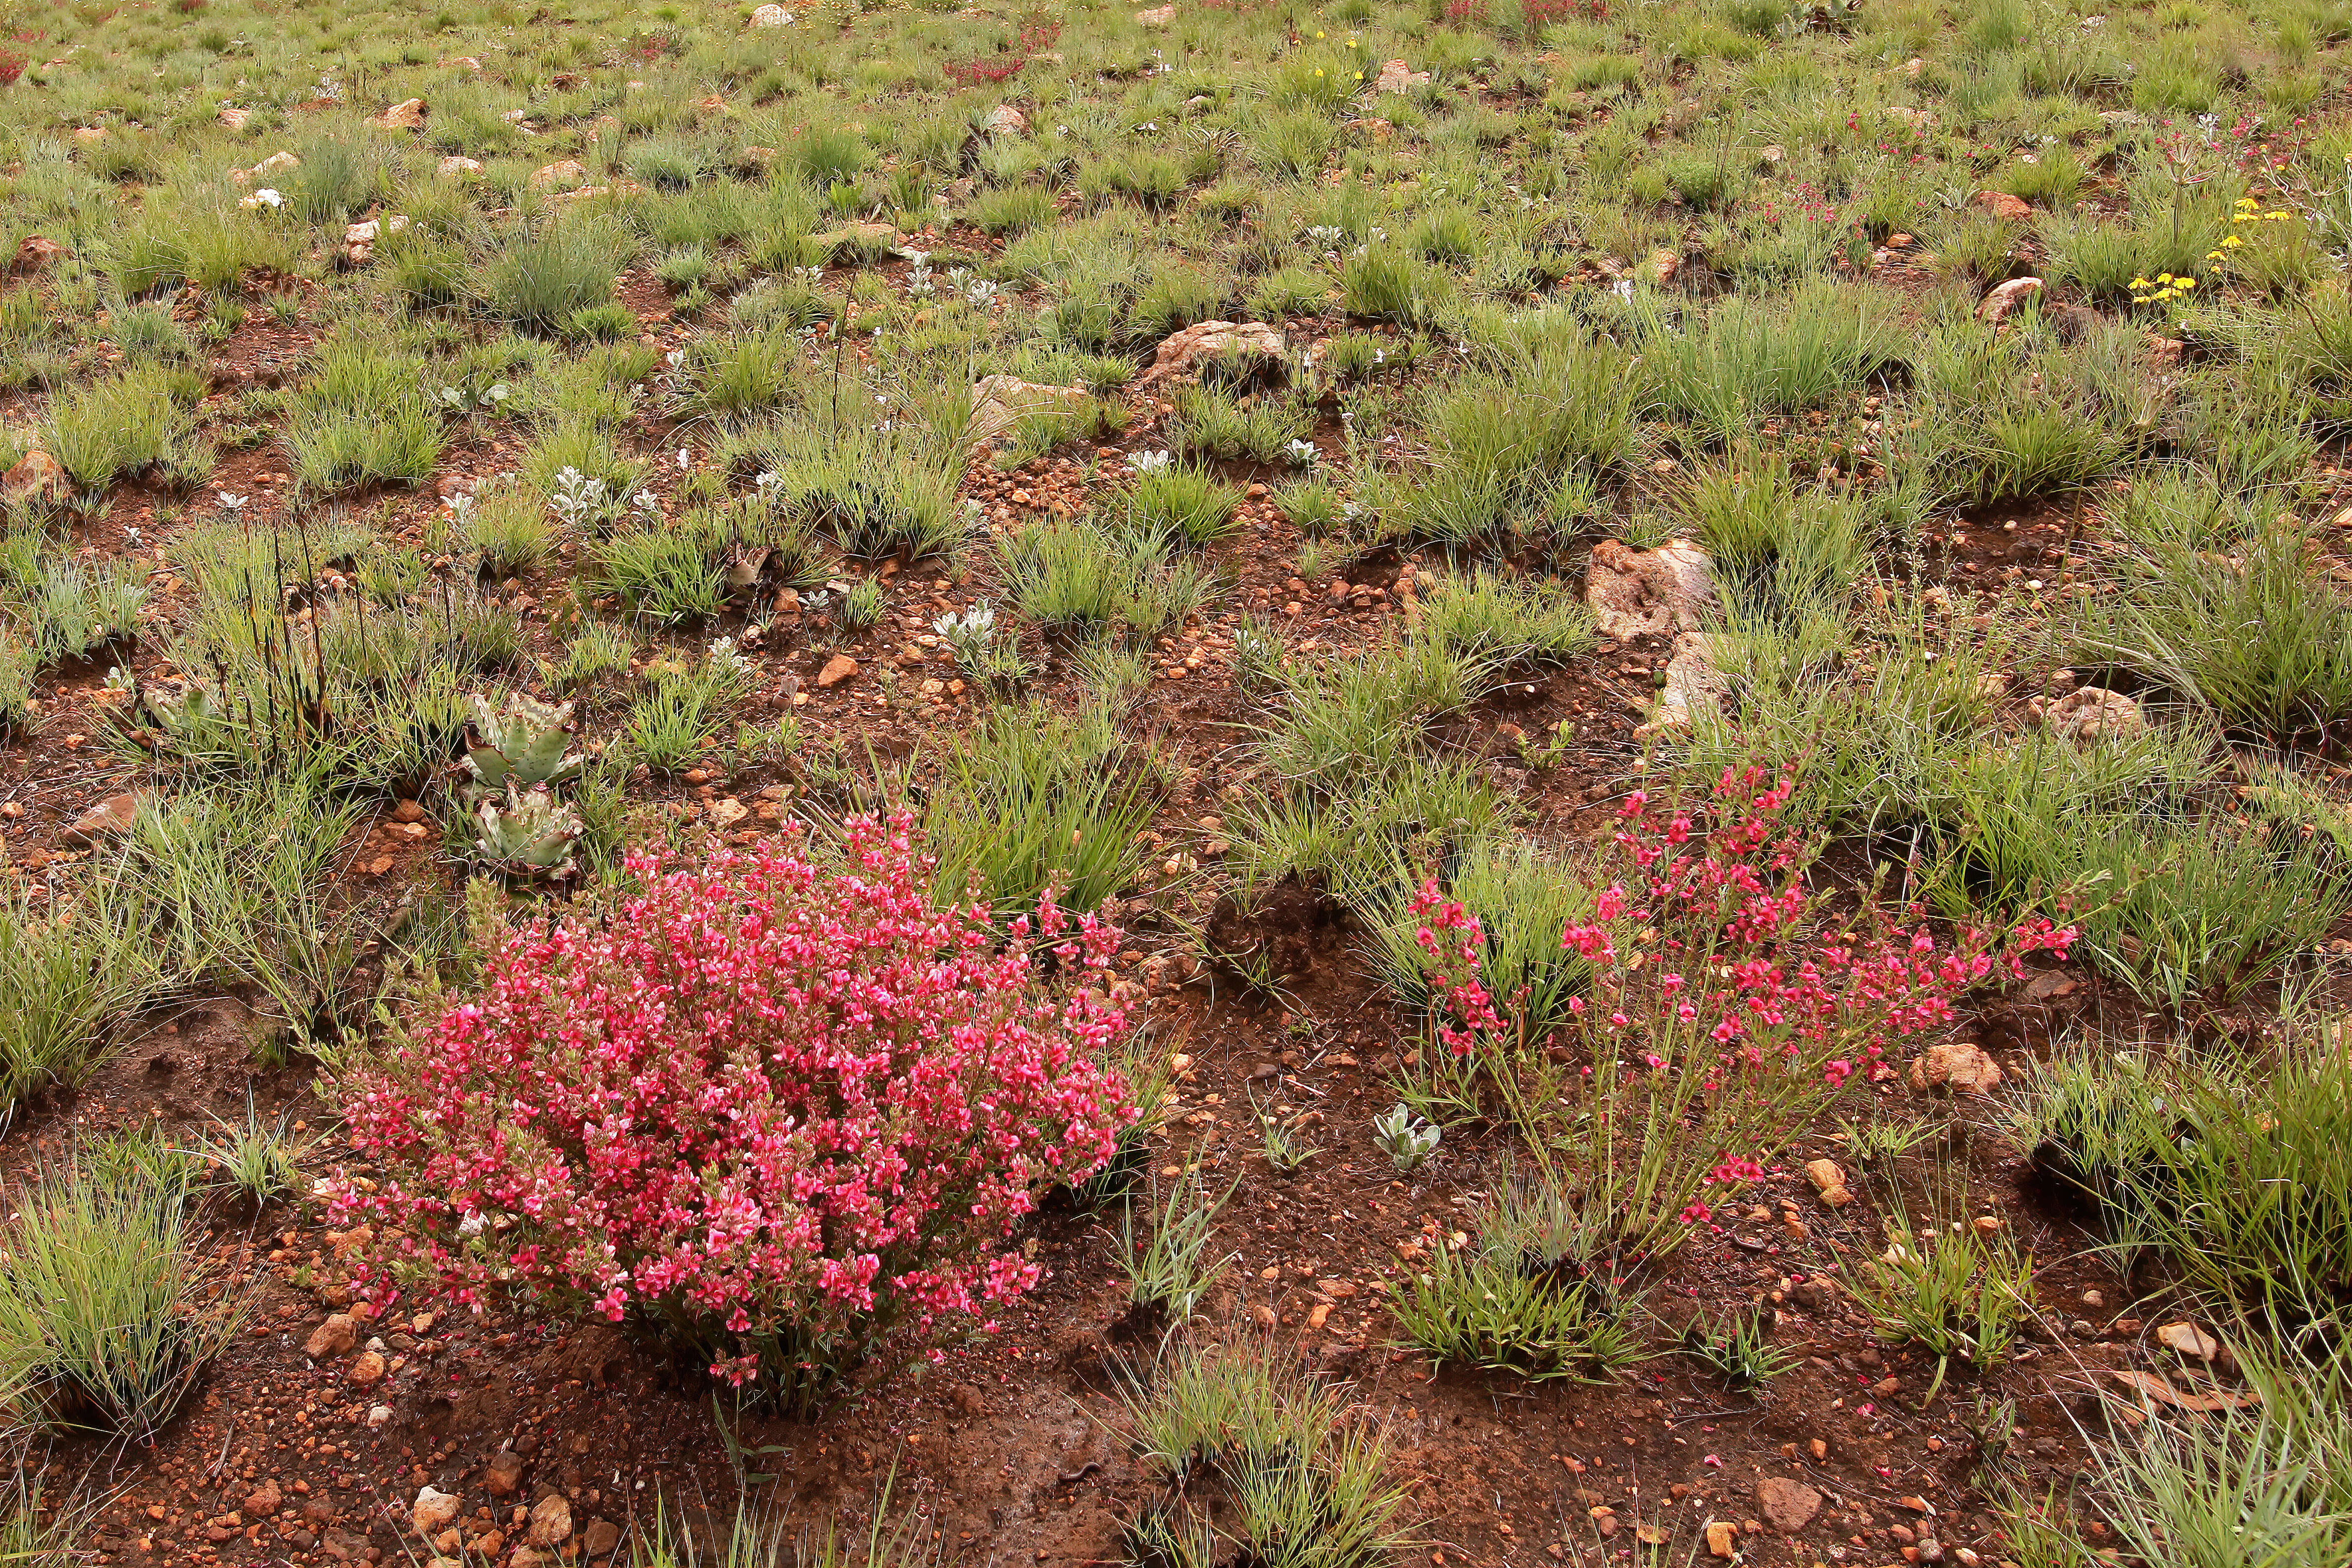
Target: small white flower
[1147, 462]
[230, 501]
[1301, 454]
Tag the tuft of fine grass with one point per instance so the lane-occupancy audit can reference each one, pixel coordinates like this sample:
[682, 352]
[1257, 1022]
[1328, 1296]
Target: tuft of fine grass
[108, 1313]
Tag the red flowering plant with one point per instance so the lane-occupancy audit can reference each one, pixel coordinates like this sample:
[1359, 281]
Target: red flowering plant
[1729, 1007]
[765, 1111]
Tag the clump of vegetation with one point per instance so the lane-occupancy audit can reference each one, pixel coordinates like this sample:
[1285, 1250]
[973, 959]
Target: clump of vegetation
[109, 1311]
[922, 1000]
[1276, 493]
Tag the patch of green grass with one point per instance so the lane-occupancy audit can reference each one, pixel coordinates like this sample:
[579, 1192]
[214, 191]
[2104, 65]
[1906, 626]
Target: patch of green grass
[1032, 802]
[877, 492]
[1169, 1269]
[1080, 579]
[67, 971]
[2240, 1174]
[1523, 900]
[542, 276]
[1475, 1307]
[1948, 1286]
[361, 419]
[1181, 505]
[1386, 282]
[2261, 639]
[1211, 424]
[119, 426]
[681, 715]
[1751, 358]
[1297, 1479]
[108, 1312]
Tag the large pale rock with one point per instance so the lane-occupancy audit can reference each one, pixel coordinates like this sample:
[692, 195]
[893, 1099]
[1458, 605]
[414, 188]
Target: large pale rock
[563, 174]
[36, 254]
[110, 818]
[2008, 297]
[407, 115]
[1001, 402]
[2004, 207]
[1649, 593]
[1829, 1180]
[1182, 354]
[434, 1510]
[772, 16]
[1788, 1506]
[2189, 1340]
[1004, 121]
[551, 1520]
[1955, 1067]
[1398, 77]
[339, 1335]
[457, 167]
[1159, 18]
[2090, 715]
[36, 478]
[1694, 685]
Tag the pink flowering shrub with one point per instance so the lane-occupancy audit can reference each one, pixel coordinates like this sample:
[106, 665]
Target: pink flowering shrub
[1727, 1008]
[766, 1112]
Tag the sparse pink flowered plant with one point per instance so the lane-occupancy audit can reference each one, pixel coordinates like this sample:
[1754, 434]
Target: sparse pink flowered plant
[766, 1110]
[1721, 981]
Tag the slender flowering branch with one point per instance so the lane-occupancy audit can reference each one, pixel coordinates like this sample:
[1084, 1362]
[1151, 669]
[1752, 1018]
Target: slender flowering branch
[1724, 1000]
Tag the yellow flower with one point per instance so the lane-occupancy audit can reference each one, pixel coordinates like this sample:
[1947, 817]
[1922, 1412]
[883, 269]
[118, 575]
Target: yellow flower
[2140, 283]
[2276, 217]
[1318, 32]
[2184, 283]
[2234, 241]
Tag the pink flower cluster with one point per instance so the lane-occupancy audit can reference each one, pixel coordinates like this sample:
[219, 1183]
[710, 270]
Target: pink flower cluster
[1717, 957]
[765, 1108]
